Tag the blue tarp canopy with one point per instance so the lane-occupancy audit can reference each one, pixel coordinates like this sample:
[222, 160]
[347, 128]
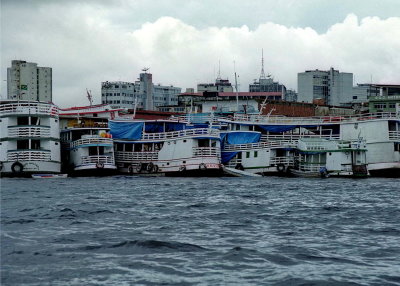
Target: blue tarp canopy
[227, 156]
[125, 130]
[239, 137]
[277, 128]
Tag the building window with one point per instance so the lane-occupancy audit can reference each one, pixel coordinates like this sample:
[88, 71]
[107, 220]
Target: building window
[380, 105]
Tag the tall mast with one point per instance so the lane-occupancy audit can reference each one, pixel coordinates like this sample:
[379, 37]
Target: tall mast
[262, 75]
[236, 87]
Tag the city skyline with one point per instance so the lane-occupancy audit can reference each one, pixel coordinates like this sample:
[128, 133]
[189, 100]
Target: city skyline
[89, 42]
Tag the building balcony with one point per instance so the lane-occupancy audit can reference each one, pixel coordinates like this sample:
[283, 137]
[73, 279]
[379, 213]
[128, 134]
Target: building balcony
[29, 155]
[28, 108]
[29, 132]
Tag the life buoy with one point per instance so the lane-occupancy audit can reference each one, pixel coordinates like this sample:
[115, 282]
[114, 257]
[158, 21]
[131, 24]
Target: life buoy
[99, 165]
[280, 168]
[150, 167]
[182, 168]
[130, 169]
[17, 167]
[239, 167]
[155, 169]
[139, 167]
[202, 166]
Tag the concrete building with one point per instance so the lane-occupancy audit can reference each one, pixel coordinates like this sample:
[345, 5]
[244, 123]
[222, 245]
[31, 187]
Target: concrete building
[384, 98]
[143, 92]
[333, 87]
[27, 81]
[220, 85]
[267, 83]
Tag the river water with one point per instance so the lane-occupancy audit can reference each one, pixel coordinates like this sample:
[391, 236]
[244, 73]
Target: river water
[200, 231]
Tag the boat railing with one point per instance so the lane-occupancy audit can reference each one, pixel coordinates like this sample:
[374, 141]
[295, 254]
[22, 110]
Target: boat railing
[123, 156]
[91, 141]
[29, 131]
[181, 133]
[347, 167]
[285, 160]
[28, 107]
[314, 119]
[98, 159]
[206, 151]
[200, 119]
[394, 136]
[296, 137]
[29, 155]
[310, 168]
[258, 145]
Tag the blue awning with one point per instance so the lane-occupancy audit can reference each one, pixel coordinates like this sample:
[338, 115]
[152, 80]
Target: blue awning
[125, 130]
[227, 156]
[277, 128]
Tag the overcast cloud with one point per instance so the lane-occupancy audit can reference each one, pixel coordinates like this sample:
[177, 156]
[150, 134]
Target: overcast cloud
[87, 42]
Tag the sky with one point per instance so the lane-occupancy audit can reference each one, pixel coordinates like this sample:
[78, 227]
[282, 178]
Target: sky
[186, 42]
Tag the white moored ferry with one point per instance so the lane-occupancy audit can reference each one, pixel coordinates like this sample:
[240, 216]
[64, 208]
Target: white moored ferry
[281, 135]
[29, 138]
[87, 146]
[166, 147]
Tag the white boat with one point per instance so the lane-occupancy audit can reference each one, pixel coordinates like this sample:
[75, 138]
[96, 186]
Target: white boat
[30, 138]
[318, 157]
[49, 176]
[87, 151]
[280, 136]
[87, 146]
[166, 146]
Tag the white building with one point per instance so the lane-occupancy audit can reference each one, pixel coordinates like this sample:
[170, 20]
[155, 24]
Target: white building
[333, 87]
[27, 81]
[143, 92]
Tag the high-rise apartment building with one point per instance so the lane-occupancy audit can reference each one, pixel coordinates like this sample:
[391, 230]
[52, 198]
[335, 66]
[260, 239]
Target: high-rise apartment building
[333, 87]
[142, 93]
[27, 81]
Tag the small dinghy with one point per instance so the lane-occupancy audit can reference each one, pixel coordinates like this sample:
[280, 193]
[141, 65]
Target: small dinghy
[49, 176]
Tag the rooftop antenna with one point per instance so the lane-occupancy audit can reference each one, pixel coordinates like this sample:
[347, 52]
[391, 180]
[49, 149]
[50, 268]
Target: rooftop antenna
[236, 87]
[89, 96]
[262, 75]
[219, 70]
[145, 69]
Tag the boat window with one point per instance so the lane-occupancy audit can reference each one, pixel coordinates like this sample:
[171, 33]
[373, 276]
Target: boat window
[120, 147]
[35, 121]
[35, 144]
[203, 143]
[128, 147]
[255, 154]
[23, 120]
[247, 154]
[138, 147]
[22, 144]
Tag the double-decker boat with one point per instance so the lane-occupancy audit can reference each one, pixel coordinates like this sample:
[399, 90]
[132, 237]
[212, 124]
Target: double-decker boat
[87, 146]
[29, 138]
[280, 137]
[166, 147]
